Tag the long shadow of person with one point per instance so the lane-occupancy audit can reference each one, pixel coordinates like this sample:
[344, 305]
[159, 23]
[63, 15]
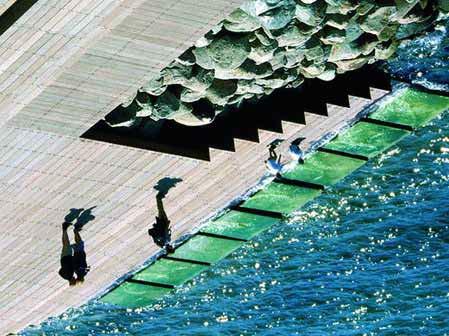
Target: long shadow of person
[73, 256]
[161, 232]
[165, 184]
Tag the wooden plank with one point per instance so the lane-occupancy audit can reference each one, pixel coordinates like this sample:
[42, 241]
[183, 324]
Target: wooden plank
[113, 47]
[43, 175]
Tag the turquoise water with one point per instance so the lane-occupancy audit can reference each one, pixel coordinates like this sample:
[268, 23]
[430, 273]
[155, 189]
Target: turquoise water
[370, 256]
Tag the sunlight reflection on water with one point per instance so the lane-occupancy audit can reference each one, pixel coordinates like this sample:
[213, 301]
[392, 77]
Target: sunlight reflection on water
[368, 257]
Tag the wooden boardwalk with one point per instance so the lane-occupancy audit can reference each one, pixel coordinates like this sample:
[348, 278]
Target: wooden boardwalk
[43, 175]
[65, 64]
[5, 4]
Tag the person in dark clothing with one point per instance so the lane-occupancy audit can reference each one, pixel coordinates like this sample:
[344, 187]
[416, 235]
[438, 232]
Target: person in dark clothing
[295, 151]
[67, 270]
[73, 257]
[79, 257]
[161, 232]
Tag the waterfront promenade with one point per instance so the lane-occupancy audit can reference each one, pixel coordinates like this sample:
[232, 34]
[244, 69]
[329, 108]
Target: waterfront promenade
[43, 175]
[63, 66]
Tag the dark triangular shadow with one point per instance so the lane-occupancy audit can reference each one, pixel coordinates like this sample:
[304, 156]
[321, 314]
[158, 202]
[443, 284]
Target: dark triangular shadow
[244, 121]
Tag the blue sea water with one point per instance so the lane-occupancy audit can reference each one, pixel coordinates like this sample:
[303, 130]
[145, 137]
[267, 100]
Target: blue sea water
[425, 60]
[368, 257]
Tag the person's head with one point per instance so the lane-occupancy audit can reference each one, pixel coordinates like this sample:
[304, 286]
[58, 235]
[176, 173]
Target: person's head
[72, 281]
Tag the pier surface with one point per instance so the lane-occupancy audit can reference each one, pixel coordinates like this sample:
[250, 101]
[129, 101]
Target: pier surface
[44, 174]
[63, 66]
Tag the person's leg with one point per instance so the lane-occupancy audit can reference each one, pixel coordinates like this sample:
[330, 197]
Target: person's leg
[66, 248]
[78, 247]
[279, 159]
[79, 256]
[272, 153]
[78, 238]
[301, 158]
[160, 209]
[65, 238]
[169, 248]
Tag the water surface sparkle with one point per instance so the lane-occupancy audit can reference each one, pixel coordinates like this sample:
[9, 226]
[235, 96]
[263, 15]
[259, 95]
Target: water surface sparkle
[370, 256]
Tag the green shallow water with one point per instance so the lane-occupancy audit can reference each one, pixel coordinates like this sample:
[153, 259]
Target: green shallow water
[239, 225]
[412, 107]
[281, 198]
[206, 249]
[367, 139]
[170, 272]
[324, 168]
[134, 295]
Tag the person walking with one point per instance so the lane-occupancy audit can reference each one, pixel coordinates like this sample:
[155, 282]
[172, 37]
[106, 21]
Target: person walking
[295, 151]
[273, 164]
[161, 232]
[67, 270]
[73, 257]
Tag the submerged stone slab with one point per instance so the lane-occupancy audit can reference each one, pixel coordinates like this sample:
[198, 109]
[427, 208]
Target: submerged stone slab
[206, 249]
[412, 107]
[134, 295]
[281, 198]
[367, 139]
[240, 225]
[324, 168]
[170, 272]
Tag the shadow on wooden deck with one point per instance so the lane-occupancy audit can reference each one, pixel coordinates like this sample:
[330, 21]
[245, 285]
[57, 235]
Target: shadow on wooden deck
[245, 121]
[14, 13]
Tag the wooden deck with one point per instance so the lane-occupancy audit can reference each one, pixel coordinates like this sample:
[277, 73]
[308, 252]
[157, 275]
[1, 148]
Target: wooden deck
[5, 4]
[65, 64]
[43, 175]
